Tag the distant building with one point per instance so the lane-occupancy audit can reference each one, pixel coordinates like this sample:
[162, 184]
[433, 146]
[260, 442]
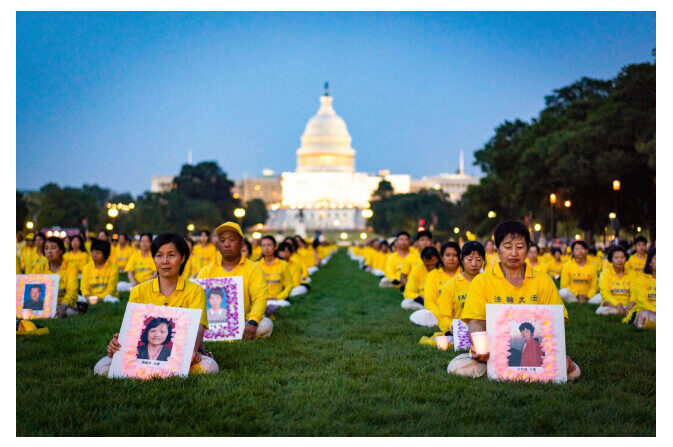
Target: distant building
[268, 188]
[453, 185]
[162, 183]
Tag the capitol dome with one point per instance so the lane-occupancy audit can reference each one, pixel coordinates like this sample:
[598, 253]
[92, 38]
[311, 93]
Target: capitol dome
[326, 143]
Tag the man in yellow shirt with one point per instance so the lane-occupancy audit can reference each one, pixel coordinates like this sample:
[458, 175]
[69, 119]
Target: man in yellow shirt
[636, 263]
[278, 276]
[204, 252]
[645, 293]
[27, 253]
[413, 292]
[255, 290]
[124, 252]
[140, 266]
[579, 278]
[396, 259]
[510, 282]
[423, 239]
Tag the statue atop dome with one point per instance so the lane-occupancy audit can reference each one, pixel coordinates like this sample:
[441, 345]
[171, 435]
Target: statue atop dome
[326, 88]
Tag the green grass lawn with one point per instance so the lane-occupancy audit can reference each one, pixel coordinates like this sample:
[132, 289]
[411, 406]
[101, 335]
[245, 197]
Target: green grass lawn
[343, 360]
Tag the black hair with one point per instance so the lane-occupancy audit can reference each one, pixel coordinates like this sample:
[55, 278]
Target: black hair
[189, 240]
[580, 242]
[402, 233]
[429, 253]
[292, 241]
[125, 235]
[58, 241]
[82, 247]
[303, 241]
[639, 239]
[511, 228]
[215, 291]
[149, 235]
[384, 242]
[204, 231]
[533, 244]
[102, 246]
[527, 325]
[451, 244]
[42, 235]
[155, 323]
[615, 248]
[271, 238]
[423, 233]
[650, 254]
[470, 247]
[316, 243]
[103, 231]
[248, 245]
[554, 250]
[170, 238]
[282, 247]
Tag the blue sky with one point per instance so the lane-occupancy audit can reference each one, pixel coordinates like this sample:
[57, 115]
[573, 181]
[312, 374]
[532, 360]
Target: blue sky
[114, 98]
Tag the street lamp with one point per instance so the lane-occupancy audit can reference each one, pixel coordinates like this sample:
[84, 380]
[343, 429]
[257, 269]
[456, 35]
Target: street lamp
[363, 236]
[239, 213]
[367, 213]
[616, 186]
[612, 215]
[491, 214]
[343, 236]
[456, 230]
[567, 203]
[30, 225]
[109, 227]
[537, 227]
[190, 227]
[113, 212]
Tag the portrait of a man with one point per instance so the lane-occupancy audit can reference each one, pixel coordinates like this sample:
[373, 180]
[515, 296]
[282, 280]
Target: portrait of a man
[214, 299]
[33, 297]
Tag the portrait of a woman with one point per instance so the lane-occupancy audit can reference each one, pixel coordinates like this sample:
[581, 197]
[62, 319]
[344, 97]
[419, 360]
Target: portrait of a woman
[156, 336]
[531, 353]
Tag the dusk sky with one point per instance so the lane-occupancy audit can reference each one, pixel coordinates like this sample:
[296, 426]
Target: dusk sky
[114, 98]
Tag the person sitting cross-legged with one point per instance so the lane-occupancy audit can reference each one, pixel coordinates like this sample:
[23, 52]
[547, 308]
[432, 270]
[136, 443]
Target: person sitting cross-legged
[413, 292]
[616, 284]
[255, 290]
[645, 293]
[100, 275]
[278, 276]
[170, 254]
[579, 277]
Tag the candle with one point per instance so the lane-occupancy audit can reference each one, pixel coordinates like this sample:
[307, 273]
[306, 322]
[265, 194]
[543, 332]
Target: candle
[480, 342]
[442, 342]
[93, 299]
[26, 313]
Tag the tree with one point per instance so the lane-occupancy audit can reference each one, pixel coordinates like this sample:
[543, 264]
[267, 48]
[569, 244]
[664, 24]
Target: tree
[255, 212]
[21, 211]
[206, 181]
[66, 207]
[384, 190]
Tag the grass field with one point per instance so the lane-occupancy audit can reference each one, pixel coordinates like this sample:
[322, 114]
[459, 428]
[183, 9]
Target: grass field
[343, 360]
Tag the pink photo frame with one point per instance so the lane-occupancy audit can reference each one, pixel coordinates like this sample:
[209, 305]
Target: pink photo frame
[549, 330]
[185, 323]
[50, 285]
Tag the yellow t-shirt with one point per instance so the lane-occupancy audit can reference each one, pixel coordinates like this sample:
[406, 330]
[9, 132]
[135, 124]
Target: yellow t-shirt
[491, 287]
[37, 262]
[596, 261]
[295, 271]
[579, 280]
[307, 257]
[26, 257]
[491, 259]
[394, 266]
[187, 295]
[255, 290]
[380, 261]
[554, 269]
[80, 259]
[256, 253]
[435, 283]
[412, 260]
[298, 260]
[67, 283]
[615, 289]
[645, 291]
[636, 264]
[123, 256]
[278, 278]
[100, 282]
[189, 270]
[452, 301]
[143, 267]
[540, 267]
[203, 255]
[415, 282]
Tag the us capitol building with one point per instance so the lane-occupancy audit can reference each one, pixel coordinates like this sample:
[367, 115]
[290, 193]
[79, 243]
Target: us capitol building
[325, 192]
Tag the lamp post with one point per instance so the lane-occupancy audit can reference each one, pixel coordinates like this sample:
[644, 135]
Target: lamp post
[616, 186]
[552, 203]
[239, 213]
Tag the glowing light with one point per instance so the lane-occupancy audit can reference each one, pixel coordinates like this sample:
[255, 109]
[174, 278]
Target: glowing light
[437, 187]
[190, 227]
[62, 234]
[132, 205]
[49, 233]
[420, 229]
[113, 212]
[491, 214]
[236, 196]
[239, 212]
[552, 198]
[567, 203]
[363, 236]
[336, 222]
[537, 227]
[456, 230]
[343, 236]
[257, 187]
[109, 205]
[30, 225]
[109, 227]
[639, 229]
[256, 235]
[260, 226]
[616, 185]
[577, 237]
[612, 215]
[367, 213]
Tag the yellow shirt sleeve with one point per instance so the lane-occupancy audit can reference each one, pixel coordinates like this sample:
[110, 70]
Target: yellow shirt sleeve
[413, 287]
[548, 294]
[286, 281]
[604, 284]
[113, 279]
[446, 309]
[391, 271]
[259, 294]
[431, 294]
[130, 264]
[71, 286]
[593, 284]
[475, 302]
[565, 277]
[84, 284]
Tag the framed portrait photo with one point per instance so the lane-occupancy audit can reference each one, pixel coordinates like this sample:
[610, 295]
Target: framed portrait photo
[36, 296]
[526, 342]
[224, 307]
[156, 341]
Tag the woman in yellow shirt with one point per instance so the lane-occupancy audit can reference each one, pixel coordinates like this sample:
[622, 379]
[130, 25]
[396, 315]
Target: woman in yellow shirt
[124, 252]
[645, 293]
[170, 254]
[579, 278]
[555, 266]
[533, 260]
[204, 252]
[100, 276]
[452, 298]
[27, 252]
[447, 268]
[278, 276]
[37, 259]
[638, 261]
[67, 273]
[77, 254]
[285, 253]
[140, 267]
[616, 284]
[510, 282]
[413, 291]
[492, 257]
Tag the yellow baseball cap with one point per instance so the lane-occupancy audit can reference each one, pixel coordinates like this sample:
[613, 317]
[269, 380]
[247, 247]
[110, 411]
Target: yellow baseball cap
[229, 226]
